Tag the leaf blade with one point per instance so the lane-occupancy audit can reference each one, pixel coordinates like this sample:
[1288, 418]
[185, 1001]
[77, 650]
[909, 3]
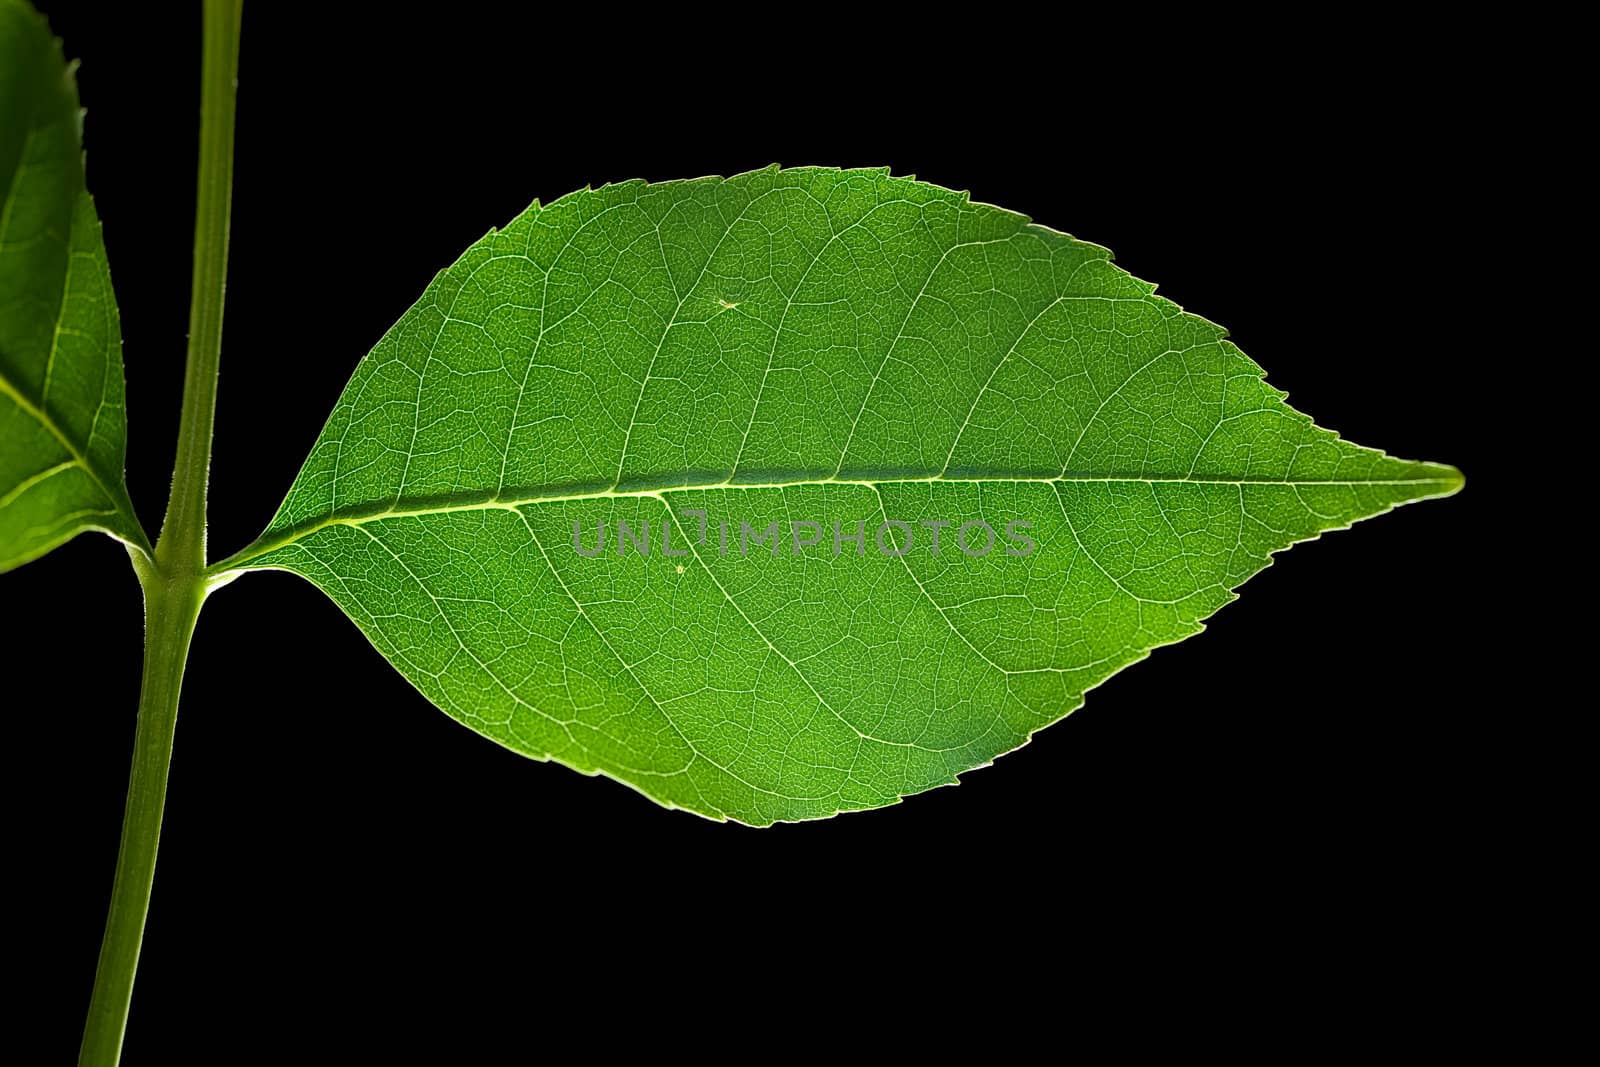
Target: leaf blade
[62, 406]
[802, 343]
[63, 415]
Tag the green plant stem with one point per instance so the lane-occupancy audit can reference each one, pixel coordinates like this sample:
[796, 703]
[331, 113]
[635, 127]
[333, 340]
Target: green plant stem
[183, 533]
[174, 582]
[171, 607]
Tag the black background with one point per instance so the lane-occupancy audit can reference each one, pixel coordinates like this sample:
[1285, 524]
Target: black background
[1303, 789]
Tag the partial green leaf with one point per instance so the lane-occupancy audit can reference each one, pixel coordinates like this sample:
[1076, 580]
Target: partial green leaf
[797, 346]
[63, 425]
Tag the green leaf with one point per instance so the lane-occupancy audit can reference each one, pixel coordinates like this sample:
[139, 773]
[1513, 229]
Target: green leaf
[63, 426]
[798, 346]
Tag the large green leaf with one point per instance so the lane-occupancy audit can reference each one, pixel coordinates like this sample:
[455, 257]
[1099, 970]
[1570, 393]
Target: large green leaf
[63, 427]
[797, 346]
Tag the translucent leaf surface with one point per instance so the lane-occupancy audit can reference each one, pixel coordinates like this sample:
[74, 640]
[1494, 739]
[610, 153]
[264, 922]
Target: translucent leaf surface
[63, 426]
[816, 349]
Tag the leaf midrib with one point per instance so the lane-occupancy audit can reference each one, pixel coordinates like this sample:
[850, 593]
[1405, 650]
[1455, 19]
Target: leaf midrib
[500, 501]
[118, 501]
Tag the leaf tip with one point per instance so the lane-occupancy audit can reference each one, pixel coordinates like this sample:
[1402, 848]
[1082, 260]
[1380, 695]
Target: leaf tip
[1454, 480]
